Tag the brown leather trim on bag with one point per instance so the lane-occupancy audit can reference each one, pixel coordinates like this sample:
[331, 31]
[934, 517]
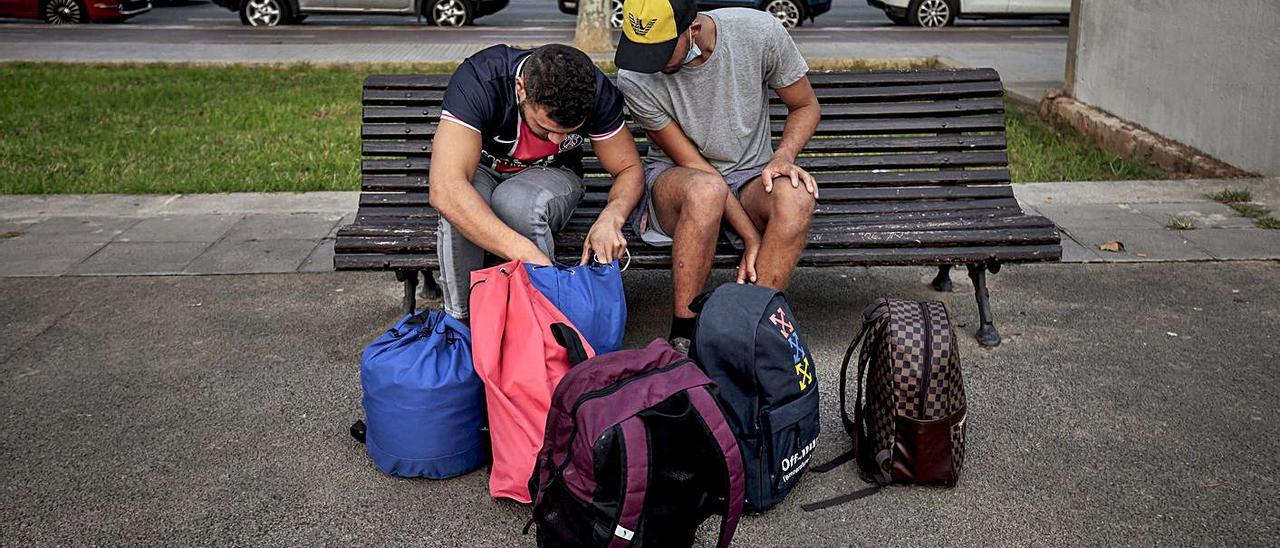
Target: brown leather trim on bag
[923, 451]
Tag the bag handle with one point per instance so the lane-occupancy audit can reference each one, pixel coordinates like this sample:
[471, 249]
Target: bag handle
[571, 341]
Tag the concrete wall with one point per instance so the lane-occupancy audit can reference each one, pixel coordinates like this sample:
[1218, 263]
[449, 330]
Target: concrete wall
[1205, 73]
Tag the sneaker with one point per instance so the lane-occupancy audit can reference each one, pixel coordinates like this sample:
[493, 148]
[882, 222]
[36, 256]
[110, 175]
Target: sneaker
[681, 345]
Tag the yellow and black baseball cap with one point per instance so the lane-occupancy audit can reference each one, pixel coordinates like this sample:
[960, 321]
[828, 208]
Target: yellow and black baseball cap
[650, 30]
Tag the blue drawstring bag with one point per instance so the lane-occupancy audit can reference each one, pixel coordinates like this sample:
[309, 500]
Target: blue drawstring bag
[423, 402]
[590, 296]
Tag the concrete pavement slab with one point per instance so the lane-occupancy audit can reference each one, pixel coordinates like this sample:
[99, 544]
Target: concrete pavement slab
[80, 229]
[140, 258]
[1141, 244]
[284, 226]
[321, 258]
[1244, 243]
[243, 203]
[197, 410]
[35, 257]
[1073, 252]
[252, 256]
[207, 228]
[1094, 216]
[1205, 214]
[1142, 192]
[82, 205]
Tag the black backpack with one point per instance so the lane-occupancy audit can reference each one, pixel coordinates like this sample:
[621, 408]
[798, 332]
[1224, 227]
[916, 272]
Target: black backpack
[749, 343]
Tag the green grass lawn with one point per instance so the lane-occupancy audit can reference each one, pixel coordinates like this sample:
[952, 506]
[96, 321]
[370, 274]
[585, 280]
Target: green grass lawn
[187, 128]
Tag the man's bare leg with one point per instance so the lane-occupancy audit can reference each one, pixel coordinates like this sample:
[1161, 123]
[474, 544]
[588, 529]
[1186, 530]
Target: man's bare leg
[689, 204]
[783, 217]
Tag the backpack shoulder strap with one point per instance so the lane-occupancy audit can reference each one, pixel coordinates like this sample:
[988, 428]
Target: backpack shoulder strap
[635, 442]
[850, 426]
[706, 405]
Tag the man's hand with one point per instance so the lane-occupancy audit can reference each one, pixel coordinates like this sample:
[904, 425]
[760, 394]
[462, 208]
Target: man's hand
[530, 254]
[783, 167]
[747, 267]
[605, 239]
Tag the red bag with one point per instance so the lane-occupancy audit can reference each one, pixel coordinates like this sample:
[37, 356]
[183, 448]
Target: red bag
[520, 362]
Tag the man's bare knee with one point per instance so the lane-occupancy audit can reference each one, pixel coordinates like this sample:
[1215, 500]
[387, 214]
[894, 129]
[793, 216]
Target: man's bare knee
[706, 192]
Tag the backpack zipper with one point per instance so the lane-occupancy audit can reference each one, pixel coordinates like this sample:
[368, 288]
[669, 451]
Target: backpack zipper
[928, 360]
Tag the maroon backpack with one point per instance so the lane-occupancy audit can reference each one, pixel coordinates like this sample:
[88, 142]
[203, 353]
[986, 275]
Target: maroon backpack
[637, 453]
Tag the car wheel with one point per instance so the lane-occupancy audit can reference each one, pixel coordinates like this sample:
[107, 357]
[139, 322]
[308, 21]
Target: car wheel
[64, 12]
[448, 13]
[788, 12]
[263, 13]
[932, 14]
[615, 15]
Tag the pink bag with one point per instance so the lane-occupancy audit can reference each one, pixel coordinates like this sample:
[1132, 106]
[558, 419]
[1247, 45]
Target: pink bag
[520, 363]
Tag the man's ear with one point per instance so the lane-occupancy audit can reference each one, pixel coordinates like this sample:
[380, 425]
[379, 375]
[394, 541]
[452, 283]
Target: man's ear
[520, 92]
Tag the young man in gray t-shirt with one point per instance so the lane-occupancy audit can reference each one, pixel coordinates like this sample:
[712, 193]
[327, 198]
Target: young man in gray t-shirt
[699, 84]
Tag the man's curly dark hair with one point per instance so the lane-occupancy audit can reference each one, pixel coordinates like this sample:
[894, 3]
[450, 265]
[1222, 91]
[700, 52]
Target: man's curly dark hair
[563, 80]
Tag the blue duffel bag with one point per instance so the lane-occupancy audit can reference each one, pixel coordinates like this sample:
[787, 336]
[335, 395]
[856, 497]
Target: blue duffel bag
[423, 403]
[590, 296]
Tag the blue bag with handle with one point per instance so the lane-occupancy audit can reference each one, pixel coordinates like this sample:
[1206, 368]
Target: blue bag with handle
[590, 296]
[423, 401]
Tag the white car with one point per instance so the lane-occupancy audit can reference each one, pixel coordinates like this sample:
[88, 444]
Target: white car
[940, 13]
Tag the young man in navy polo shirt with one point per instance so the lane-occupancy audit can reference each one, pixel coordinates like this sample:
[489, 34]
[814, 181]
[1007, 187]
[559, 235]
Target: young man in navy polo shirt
[506, 162]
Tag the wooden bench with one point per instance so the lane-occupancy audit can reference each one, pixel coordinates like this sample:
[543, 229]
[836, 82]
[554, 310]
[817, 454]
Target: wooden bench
[912, 166]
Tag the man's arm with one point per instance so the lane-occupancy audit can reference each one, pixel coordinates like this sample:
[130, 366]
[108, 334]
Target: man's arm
[618, 155]
[803, 113]
[455, 153]
[684, 153]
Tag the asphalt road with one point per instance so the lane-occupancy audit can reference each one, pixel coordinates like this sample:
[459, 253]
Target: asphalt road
[519, 14]
[1130, 405]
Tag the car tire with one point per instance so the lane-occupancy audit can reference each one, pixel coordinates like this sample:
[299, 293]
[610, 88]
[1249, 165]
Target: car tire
[64, 12]
[789, 12]
[615, 15]
[265, 13]
[932, 13]
[448, 13]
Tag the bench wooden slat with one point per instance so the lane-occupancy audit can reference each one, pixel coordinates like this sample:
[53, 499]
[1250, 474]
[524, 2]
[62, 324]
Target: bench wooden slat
[977, 158]
[423, 111]
[418, 183]
[830, 195]
[939, 143]
[817, 79]
[906, 256]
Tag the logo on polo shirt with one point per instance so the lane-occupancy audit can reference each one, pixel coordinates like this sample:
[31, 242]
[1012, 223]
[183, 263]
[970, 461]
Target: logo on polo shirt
[570, 142]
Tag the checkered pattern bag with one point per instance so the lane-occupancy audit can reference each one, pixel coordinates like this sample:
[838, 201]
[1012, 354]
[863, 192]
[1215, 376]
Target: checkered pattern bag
[908, 422]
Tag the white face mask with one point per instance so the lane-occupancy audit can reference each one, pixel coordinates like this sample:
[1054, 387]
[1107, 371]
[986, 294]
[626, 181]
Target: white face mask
[694, 52]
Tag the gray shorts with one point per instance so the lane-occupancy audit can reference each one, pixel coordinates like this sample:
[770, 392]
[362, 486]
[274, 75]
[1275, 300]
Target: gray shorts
[644, 220]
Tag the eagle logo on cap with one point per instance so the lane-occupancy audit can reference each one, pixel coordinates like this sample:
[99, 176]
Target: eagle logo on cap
[639, 26]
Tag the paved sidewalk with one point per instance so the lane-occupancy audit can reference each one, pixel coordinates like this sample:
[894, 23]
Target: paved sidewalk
[249, 233]
[1130, 405]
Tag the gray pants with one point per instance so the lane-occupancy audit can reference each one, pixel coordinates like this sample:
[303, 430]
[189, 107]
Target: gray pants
[535, 202]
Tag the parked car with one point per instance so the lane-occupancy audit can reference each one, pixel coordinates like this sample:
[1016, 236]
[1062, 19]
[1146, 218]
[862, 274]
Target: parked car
[940, 13]
[792, 13]
[64, 12]
[445, 13]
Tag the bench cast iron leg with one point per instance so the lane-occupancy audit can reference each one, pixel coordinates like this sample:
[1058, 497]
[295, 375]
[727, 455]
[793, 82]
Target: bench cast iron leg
[430, 289]
[942, 282]
[987, 334]
[410, 279]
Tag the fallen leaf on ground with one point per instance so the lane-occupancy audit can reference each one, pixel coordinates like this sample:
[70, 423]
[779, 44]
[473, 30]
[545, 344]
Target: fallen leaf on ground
[1113, 246]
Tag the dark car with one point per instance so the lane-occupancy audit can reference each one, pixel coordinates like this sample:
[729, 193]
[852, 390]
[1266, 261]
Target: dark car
[446, 13]
[62, 12]
[791, 13]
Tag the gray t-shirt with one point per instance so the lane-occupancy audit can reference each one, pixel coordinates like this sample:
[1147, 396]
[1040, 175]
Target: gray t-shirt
[722, 104]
